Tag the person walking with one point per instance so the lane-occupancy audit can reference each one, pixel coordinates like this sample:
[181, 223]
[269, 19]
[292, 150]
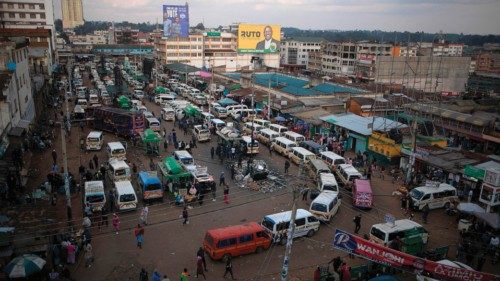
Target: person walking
[96, 161]
[144, 215]
[229, 268]
[425, 213]
[222, 179]
[156, 275]
[165, 278]
[214, 190]
[104, 216]
[54, 156]
[226, 194]
[201, 253]
[143, 275]
[287, 166]
[89, 257]
[185, 275]
[116, 223]
[233, 171]
[185, 215]
[304, 194]
[91, 165]
[357, 223]
[199, 268]
[212, 152]
[139, 235]
[71, 253]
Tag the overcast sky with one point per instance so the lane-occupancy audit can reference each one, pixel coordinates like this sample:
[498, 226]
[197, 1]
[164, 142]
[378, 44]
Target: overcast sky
[450, 16]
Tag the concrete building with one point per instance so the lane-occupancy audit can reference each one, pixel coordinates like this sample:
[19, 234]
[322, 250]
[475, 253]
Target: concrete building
[294, 52]
[17, 108]
[314, 62]
[89, 38]
[429, 74]
[488, 62]
[203, 51]
[126, 36]
[72, 13]
[30, 14]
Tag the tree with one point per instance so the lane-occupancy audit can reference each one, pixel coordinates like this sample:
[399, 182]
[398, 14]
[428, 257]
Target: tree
[200, 26]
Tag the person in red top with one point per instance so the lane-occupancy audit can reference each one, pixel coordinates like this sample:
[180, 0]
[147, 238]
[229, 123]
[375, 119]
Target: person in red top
[346, 272]
[139, 235]
[317, 274]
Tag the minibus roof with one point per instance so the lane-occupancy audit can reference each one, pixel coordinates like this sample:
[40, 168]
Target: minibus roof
[286, 216]
[234, 230]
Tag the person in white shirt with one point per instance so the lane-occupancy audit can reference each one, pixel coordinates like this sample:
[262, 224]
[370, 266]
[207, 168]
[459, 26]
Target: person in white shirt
[268, 44]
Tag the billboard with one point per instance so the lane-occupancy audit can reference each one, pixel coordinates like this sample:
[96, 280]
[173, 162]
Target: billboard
[175, 21]
[259, 38]
[390, 257]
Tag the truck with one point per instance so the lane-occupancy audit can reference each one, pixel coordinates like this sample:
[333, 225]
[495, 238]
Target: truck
[150, 185]
[203, 181]
[118, 121]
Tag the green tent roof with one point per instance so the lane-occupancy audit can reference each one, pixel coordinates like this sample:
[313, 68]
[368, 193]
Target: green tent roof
[191, 110]
[160, 90]
[124, 102]
[150, 136]
[172, 165]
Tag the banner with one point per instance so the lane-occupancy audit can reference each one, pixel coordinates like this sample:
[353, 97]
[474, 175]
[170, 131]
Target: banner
[259, 38]
[175, 21]
[383, 255]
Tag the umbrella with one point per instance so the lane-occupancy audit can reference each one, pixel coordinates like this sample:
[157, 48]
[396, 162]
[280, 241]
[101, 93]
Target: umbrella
[24, 266]
[470, 208]
[280, 119]
[493, 219]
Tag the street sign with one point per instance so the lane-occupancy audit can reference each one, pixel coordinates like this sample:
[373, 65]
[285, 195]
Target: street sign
[213, 34]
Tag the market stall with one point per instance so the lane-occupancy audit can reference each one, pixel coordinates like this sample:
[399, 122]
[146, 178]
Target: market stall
[151, 142]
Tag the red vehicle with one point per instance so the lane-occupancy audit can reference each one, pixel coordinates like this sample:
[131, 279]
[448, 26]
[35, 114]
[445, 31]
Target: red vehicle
[118, 121]
[237, 240]
[362, 194]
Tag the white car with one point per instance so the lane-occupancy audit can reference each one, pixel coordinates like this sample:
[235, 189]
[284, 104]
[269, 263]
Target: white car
[138, 94]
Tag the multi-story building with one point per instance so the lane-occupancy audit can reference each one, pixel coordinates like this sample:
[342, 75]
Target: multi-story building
[72, 13]
[488, 62]
[126, 36]
[17, 108]
[30, 14]
[447, 49]
[294, 52]
[314, 62]
[89, 38]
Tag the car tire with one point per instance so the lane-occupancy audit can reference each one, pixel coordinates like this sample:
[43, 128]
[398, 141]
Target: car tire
[310, 233]
[259, 249]
[447, 205]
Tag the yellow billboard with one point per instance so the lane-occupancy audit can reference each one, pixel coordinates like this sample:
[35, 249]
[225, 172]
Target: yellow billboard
[259, 38]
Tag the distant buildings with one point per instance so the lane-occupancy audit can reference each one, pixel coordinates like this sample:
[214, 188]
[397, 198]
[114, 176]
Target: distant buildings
[294, 52]
[72, 13]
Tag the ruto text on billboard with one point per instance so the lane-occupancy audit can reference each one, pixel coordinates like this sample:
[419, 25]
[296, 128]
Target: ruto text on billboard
[175, 21]
[259, 38]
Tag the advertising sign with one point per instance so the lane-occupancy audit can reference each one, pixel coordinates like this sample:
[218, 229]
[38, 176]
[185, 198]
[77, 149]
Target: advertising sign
[175, 21]
[387, 256]
[259, 38]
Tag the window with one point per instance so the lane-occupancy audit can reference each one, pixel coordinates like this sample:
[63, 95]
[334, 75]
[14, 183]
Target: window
[32, 16]
[246, 238]
[42, 6]
[426, 197]
[261, 234]
[226, 242]
[12, 15]
[10, 6]
[22, 15]
[21, 6]
[42, 15]
[300, 222]
[312, 219]
[31, 6]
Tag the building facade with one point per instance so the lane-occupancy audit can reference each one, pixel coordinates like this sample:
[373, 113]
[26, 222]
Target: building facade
[295, 51]
[125, 35]
[72, 13]
[89, 38]
[488, 62]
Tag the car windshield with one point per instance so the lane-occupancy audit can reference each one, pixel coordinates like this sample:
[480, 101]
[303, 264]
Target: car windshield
[378, 233]
[95, 198]
[319, 207]
[120, 172]
[330, 187]
[151, 187]
[416, 194]
[187, 161]
[267, 223]
[127, 197]
[119, 151]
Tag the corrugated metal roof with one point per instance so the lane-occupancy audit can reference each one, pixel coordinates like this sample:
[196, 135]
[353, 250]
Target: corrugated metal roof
[361, 125]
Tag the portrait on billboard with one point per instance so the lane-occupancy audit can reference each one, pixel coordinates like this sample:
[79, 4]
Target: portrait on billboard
[268, 43]
[175, 21]
[259, 38]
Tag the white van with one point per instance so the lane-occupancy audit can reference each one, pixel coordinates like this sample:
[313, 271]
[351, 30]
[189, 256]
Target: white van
[218, 124]
[249, 145]
[118, 170]
[325, 205]
[433, 196]
[236, 107]
[94, 195]
[116, 150]
[207, 117]
[327, 181]
[300, 155]
[332, 159]
[306, 224]
[293, 136]
[168, 114]
[316, 167]
[93, 99]
[186, 160]
[162, 99]
[219, 111]
[347, 173]
[125, 197]
[94, 140]
[262, 122]
[201, 133]
[83, 103]
[384, 233]
[282, 145]
[278, 128]
[153, 124]
[250, 127]
[266, 136]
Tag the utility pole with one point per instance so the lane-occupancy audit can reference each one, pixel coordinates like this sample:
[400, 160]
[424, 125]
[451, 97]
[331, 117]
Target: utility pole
[63, 148]
[412, 150]
[269, 101]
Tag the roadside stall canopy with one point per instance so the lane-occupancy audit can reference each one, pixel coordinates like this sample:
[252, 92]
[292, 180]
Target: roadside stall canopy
[160, 90]
[234, 87]
[151, 141]
[172, 170]
[191, 111]
[124, 102]
[227, 102]
[150, 136]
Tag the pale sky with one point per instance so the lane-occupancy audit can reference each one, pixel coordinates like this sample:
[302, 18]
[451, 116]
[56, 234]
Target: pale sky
[450, 16]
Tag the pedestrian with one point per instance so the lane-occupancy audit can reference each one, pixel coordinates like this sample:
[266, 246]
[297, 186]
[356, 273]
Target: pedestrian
[87, 210]
[480, 262]
[185, 215]
[229, 268]
[71, 251]
[165, 278]
[151, 165]
[143, 275]
[214, 190]
[134, 169]
[89, 257]
[139, 235]
[185, 275]
[201, 253]
[226, 194]
[212, 152]
[222, 179]
[233, 152]
[156, 275]
[425, 213]
[403, 202]
[199, 268]
[317, 274]
[345, 272]
[111, 199]
[165, 145]
[104, 216]
[357, 223]
[287, 166]
[54, 156]
[116, 223]
[144, 215]
[96, 161]
[304, 194]
[91, 165]
[232, 171]
[469, 198]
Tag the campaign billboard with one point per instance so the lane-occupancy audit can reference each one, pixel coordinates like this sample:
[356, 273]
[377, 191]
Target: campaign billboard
[358, 246]
[259, 38]
[175, 21]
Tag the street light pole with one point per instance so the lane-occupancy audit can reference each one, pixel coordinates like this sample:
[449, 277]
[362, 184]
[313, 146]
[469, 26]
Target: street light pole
[63, 148]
